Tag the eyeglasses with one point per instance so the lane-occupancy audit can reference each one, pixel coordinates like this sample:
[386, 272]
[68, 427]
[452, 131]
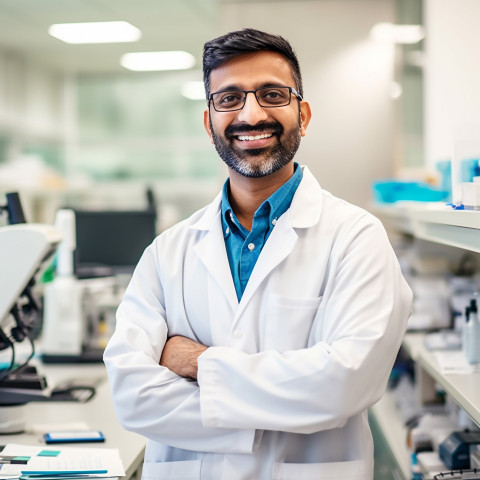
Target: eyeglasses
[267, 97]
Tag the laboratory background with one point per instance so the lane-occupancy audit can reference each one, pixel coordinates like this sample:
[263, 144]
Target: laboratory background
[98, 148]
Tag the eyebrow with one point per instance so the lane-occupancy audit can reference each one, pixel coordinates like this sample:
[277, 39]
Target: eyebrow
[236, 87]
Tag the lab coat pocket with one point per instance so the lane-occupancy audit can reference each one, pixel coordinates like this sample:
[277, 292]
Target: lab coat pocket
[184, 470]
[354, 470]
[289, 321]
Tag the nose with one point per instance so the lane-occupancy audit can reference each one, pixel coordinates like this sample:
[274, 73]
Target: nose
[252, 112]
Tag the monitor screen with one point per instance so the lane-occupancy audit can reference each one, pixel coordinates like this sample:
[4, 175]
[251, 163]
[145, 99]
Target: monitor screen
[110, 242]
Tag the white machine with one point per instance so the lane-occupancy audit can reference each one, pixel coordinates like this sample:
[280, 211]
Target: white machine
[71, 305]
[24, 250]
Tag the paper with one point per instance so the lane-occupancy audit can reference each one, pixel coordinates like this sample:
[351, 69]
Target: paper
[454, 362]
[65, 459]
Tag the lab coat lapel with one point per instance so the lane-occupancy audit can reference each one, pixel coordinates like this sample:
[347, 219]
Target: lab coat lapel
[212, 253]
[304, 212]
[279, 245]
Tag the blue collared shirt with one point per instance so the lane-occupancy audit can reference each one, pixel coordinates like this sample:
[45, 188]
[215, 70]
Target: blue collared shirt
[244, 247]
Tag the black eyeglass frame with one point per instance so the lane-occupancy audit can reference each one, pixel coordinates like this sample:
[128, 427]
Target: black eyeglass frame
[246, 92]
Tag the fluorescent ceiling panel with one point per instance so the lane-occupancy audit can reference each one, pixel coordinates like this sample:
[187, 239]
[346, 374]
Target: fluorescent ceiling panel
[155, 61]
[95, 32]
[397, 33]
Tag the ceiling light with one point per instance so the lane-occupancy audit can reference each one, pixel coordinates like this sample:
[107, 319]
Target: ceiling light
[154, 61]
[95, 32]
[397, 33]
[193, 90]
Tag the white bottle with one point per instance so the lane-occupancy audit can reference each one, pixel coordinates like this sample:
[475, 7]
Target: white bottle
[63, 324]
[473, 334]
[465, 330]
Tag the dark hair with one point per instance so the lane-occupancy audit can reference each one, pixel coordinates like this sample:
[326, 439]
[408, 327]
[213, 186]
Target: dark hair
[221, 49]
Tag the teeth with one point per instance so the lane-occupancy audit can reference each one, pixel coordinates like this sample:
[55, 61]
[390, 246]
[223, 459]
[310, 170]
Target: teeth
[254, 137]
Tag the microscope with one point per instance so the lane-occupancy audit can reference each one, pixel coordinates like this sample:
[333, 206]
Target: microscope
[25, 248]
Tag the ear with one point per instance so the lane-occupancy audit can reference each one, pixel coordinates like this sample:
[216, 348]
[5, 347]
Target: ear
[305, 116]
[206, 124]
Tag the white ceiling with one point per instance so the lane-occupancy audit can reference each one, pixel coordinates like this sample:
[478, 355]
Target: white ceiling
[165, 25]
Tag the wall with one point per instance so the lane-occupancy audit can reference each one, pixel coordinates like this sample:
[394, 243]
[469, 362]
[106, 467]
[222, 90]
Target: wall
[347, 80]
[32, 132]
[31, 101]
[452, 79]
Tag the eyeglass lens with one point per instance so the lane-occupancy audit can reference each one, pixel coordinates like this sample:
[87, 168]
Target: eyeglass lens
[266, 97]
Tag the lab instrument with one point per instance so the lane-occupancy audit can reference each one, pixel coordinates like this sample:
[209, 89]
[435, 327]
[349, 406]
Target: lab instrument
[454, 451]
[24, 250]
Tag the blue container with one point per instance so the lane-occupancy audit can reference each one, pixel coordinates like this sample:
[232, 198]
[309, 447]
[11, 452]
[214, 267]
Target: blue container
[391, 191]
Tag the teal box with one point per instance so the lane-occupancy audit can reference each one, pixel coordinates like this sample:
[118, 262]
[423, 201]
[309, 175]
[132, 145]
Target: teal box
[391, 191]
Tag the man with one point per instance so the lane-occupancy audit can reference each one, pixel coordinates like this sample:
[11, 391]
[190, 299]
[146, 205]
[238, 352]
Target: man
[255, 335]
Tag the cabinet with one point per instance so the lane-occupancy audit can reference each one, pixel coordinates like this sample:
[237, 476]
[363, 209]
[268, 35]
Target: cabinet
[440, 224]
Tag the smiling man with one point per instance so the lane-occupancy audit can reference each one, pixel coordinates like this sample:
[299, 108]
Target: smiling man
[255, 335]
[260, 139]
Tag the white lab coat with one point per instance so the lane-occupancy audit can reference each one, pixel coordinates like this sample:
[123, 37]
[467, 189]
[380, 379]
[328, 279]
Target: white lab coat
[284, 390]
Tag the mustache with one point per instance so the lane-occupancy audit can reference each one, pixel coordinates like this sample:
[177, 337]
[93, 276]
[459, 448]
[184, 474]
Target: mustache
[274, 127]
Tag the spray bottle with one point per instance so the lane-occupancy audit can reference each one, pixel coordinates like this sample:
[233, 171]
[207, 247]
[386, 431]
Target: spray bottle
[63, 324]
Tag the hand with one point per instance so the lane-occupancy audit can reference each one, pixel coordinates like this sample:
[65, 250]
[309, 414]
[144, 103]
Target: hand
[180, 355]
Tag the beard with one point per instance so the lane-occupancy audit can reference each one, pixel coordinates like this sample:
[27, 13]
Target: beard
[257, 162]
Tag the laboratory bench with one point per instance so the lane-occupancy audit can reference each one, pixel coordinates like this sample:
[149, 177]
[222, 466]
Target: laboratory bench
[97, 413]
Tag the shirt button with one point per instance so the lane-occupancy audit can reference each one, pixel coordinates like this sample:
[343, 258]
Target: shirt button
[274, 221]
[237, 333]
[251, 246]
[227, 231]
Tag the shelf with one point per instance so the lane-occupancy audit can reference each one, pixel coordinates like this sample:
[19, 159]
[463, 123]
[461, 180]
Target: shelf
[438, 223]
[435, 222]
[462, 388]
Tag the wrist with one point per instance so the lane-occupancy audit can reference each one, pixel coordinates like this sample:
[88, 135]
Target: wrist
[194, 361]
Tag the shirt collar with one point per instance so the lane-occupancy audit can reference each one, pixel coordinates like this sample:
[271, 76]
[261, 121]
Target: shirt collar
[276, 204]
[281, 199]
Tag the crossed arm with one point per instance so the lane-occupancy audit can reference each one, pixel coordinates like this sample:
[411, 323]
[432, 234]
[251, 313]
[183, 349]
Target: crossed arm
[180, 355]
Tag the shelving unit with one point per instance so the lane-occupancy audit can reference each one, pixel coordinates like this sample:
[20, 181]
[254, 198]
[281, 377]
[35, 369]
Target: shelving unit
[462, 388]
[440, 224]
[384, 418]
[434, 222]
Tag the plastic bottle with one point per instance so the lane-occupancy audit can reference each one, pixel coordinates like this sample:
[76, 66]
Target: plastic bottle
[465, 330]
[63, 323]
[473, 334]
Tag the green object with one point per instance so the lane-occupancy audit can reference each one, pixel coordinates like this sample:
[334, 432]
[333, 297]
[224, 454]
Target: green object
[49, 453]
[20, 459]
[49, 273]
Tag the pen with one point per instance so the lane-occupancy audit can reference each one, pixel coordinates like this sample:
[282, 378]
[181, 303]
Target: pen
[58, 475]
[61, 472]
[44, 474]
[61, 477]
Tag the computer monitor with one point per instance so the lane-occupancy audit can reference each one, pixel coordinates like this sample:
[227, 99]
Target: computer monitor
[111, 242]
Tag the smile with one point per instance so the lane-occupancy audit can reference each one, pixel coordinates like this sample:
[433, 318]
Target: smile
[254, 137]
